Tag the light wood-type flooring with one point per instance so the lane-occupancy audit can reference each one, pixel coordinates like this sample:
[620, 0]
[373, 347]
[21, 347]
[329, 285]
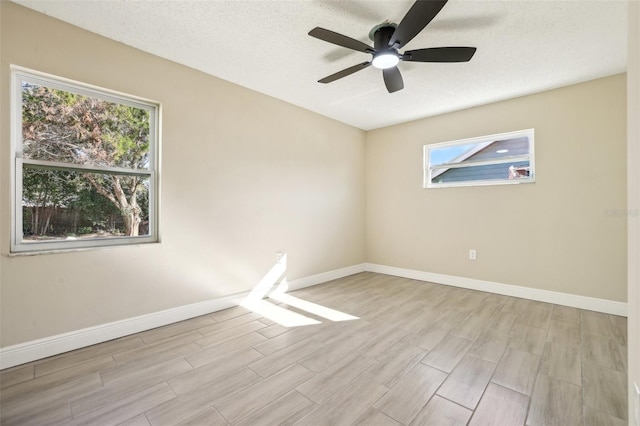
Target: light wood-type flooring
[419, 354]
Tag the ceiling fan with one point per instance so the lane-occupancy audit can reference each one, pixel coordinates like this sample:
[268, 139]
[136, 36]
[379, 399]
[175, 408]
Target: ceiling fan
[388, 38]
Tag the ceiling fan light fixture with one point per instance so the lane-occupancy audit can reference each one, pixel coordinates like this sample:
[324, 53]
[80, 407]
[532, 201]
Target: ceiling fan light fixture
[386, 59]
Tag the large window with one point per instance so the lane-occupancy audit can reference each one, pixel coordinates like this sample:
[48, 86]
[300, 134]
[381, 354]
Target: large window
[489, 160]
[85, 165]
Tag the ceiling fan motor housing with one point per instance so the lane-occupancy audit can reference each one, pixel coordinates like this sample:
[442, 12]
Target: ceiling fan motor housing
[381, 36]
[385, 56]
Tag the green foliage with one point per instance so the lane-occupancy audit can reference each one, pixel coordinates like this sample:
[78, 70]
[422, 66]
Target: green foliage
[65, 127]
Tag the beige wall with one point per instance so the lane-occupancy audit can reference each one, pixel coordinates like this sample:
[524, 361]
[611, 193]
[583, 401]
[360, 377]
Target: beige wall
[243, 175]
[552, 234]
[633, 161]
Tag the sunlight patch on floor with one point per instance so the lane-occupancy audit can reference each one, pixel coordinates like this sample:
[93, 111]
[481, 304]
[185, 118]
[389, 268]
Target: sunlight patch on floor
[276, 281]
[313, 308]
[277, 314]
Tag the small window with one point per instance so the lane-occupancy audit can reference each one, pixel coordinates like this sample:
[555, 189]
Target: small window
[489, 160]
[85, 165]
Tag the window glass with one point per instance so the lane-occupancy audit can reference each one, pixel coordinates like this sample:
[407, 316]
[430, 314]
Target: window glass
[495, 159]
[85, 166]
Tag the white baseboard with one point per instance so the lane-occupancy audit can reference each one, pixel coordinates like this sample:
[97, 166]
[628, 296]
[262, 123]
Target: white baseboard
[37, 349]
[326, 276]
[573, 300]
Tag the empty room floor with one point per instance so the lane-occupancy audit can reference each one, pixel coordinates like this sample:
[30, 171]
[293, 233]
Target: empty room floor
[417, 354]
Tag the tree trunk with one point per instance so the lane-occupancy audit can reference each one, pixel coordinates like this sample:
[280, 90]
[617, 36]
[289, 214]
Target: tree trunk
[131, 216]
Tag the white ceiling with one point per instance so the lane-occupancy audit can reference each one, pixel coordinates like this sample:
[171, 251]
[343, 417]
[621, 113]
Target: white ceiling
[523, 47]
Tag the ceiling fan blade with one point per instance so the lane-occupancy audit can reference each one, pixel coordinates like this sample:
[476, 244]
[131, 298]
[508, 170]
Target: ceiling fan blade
[440, 54]
[418, 17]
[392, 79]
[340, 40]
[344, 73]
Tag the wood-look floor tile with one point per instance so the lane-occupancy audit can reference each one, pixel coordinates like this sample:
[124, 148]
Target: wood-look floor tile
[126, 408]
[618, 331]
[597, 325]
[430, 336]
[144, 372]
[37, 406]
[555, 402]
[517, 305]
[318, 361]
[41, 414]
[380, 344]
[466, 383]
[325, 384]
[176, 329]
[604, 352]
[489, 309]
[70, 359]
[419, 321]
[193, 378]
[59, 377]
[496, 298]
[397, 362]
[280, 342]
[338, 332]
[454, 316]
[405, 400]
[164, 349]
[605, 390]
[562, 362]
[286, 410]
[139, 420]
[12, 376]
[502, 323]
[472, 299]
[537, 316]
[346, 405]
[186, 406]
[471, 326]
[448, 353]
[267, 366]
[442, 412]
[129, 381]
[205, 356]
[373, 417]
[597, 418]
[223, 336]
[219, 327]
[489, 346]
[273, 330]
[500, 406]
[209, 417]
[230, 313]
[248, 401]
[618, 320]
[517, 371]
[528, 339]
[564, 333]
[566, 314]
[357, 367]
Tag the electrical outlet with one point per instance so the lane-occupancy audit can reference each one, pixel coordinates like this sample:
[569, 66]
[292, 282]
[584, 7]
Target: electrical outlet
[279, 256]
[472, 254]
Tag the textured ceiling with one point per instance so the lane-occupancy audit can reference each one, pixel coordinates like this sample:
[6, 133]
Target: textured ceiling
[523, 47]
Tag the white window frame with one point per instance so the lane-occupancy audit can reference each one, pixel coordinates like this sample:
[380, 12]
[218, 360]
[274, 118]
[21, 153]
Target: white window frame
[428, 169]
[18, 246]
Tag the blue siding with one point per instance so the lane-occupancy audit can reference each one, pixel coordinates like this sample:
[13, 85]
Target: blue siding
[476, 173]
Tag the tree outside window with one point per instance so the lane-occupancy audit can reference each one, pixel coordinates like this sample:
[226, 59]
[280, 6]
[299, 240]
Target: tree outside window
[85, 169]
